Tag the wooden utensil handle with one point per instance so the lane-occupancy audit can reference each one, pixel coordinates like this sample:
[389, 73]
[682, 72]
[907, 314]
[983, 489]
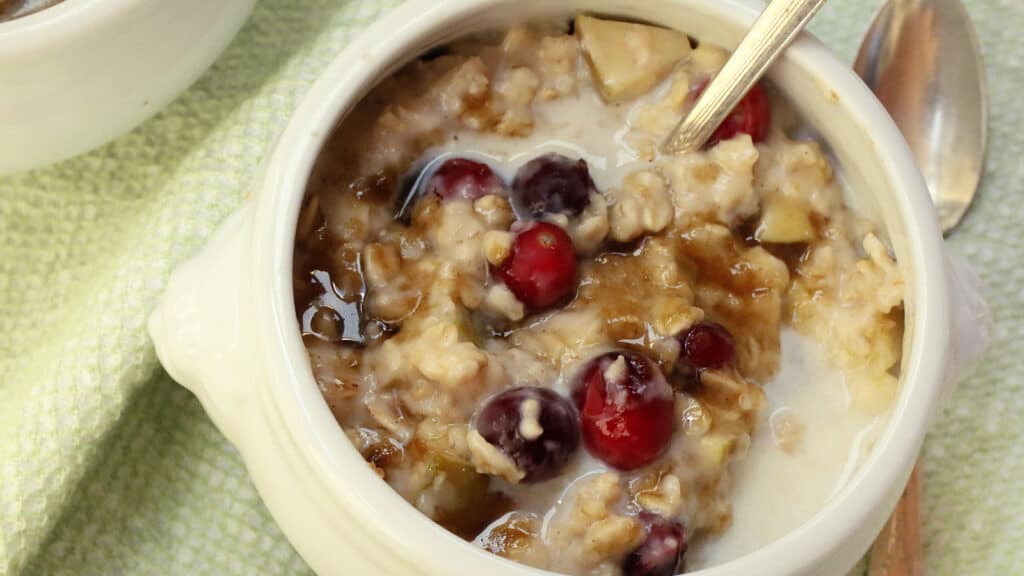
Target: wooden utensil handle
[897, 551]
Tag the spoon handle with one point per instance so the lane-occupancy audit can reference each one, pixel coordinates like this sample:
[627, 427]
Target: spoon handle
[774, 29]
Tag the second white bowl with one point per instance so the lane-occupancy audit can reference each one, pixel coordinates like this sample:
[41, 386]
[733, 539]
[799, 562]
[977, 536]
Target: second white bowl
[78, 74]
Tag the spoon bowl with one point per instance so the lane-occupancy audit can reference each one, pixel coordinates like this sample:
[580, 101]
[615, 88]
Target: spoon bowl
[923, 61]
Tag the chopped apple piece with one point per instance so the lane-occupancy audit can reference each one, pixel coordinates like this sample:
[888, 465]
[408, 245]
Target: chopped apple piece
[629, 59]
[717, 448]
[784, 221]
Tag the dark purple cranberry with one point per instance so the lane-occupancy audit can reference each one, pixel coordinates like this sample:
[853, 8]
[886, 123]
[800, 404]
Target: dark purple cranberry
[535, 427]
[464, 179]
[661, 552]
[551, 184]
[706, 345]
[626, 409]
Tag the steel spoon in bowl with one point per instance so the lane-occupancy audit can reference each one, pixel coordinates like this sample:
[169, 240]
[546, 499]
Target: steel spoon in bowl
[775, 28]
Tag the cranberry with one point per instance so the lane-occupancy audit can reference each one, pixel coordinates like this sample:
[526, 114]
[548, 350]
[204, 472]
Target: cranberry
[541, 269]
[465, 179]
[753, 115]
[707, 345]
[661, 552]
[535, 427]
[551, 184]
[626, 409]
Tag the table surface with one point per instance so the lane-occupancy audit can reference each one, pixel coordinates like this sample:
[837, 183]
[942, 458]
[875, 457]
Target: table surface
[108, 467]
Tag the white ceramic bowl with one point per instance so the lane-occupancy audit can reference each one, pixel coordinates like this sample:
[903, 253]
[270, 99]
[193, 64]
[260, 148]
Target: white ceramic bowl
[79, 74]
[227, 330]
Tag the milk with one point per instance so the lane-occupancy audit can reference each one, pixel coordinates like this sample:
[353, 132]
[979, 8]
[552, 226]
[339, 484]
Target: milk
[775, 491]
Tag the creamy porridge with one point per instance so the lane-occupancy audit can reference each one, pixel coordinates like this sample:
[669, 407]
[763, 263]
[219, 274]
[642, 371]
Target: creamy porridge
[11, 9]
[570, 349]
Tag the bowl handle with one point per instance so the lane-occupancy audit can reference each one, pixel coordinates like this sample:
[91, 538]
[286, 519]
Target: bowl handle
[201, 336]
[971, 321]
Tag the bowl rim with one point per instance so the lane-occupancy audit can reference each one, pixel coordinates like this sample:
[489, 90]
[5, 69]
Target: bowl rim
[339, 466]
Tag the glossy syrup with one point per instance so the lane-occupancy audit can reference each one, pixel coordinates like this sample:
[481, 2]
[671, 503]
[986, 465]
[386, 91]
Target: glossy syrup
[328, 292]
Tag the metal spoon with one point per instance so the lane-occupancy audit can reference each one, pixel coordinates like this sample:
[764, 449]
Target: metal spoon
[774, 29]
[11, 9]
[923, 61]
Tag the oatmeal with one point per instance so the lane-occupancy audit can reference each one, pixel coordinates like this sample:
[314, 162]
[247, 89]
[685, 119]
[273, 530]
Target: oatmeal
[559, 343]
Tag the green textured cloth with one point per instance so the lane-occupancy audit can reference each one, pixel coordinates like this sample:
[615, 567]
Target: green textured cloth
[108, 467]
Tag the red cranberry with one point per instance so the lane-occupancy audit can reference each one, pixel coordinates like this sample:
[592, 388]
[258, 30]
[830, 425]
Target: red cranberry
[661, 552]
[541, 269]
[461, 178]
[753, 115]
[542, 445]
[626, 409]
[551, 184]
[706, 345]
